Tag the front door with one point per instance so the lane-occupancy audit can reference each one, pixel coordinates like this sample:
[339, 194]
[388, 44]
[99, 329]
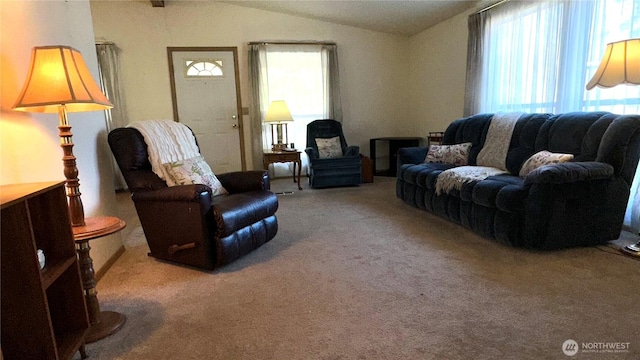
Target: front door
[206, 97]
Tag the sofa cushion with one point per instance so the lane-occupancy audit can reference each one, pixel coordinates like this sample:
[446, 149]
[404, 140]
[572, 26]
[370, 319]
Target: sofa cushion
[543, 158]
[193, 171]
[565, 133]
[423, 175]
[505, 192]
[523, 140]
[455, 178]
[472, 129]
[592, 139]
[448, 154]
[237, 211]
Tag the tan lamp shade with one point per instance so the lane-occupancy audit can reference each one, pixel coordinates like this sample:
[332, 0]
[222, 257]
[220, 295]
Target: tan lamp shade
[278, 112]
[620, 65]
[59, 81]
[58, 76]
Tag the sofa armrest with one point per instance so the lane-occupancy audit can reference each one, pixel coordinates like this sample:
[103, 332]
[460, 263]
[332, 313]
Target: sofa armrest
[571, 204]
[243, 181]
[569, 172]
[412, 155]
[192, 193]
[352, 151]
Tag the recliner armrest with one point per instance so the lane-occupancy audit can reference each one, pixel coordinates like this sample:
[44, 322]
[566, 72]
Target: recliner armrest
[352, 150]
[174, 193]
[569, 172]
[243, 181]
[311, 152]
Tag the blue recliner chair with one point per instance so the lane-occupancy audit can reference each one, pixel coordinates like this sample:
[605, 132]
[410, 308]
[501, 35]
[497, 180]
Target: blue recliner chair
[343, 169]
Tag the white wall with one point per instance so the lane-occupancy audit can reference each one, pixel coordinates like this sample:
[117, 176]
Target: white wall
[29, 143]
[372, 65]
[438, 60]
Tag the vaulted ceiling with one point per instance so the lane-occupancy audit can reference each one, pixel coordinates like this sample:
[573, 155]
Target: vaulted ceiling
[407, 18]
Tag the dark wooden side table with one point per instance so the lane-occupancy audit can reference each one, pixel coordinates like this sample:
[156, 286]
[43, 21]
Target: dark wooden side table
[101, 323]
[395, 143]
[284, 157]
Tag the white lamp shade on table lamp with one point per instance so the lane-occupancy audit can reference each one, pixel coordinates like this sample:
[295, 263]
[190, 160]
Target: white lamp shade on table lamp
[278, 115]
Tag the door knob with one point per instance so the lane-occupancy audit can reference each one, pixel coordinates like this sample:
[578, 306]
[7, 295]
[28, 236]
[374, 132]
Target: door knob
[234, 117]
[235, 126]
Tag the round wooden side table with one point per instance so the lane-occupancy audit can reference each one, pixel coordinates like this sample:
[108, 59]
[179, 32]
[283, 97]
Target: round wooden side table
[102, 323]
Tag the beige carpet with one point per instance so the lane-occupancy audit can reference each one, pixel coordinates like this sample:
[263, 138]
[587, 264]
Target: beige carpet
[354, 273]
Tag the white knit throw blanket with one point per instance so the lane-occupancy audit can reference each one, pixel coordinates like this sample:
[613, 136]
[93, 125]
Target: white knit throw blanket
[494, 150]
[167, 141]
[491, 159]
[458, 176]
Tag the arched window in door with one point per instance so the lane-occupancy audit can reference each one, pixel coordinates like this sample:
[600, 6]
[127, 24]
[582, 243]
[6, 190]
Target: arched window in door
[203, 68]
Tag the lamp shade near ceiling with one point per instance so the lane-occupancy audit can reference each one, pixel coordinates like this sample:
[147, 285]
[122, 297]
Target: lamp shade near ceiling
[620, 65]
[278, 112]
[59, 76]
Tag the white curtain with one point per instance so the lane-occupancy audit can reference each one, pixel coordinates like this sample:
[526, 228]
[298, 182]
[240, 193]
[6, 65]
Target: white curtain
[109, 69]
[331, 83]
[259, 101]
[306, 77]
[632, 217]
[548, 51]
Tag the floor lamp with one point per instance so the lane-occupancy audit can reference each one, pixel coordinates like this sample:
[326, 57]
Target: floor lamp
[620, 65]
[58, 81]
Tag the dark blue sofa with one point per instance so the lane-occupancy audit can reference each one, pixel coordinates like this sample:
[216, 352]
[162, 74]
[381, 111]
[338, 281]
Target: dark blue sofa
[578, 203]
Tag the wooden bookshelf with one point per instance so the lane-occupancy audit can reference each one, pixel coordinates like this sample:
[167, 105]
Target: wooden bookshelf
[44, 315]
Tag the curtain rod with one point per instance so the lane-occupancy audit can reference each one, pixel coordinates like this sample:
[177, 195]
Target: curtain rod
[491, 6]
[105, 43]
[292, 43]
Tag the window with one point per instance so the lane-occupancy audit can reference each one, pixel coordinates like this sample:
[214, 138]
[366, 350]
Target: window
[295, 76]
[615, 20]
[304, 76]
[549, 51]
[203, 68]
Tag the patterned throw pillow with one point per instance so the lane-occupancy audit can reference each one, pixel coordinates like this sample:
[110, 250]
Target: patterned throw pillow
[194, 171]
[448, 154]
[329, 147]
[541, 158]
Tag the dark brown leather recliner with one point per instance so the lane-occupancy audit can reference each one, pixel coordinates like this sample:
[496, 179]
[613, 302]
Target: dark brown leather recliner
[184, 223]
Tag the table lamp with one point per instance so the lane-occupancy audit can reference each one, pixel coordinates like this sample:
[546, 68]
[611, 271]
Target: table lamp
[59, 82]
[620, 65]
[278, 115]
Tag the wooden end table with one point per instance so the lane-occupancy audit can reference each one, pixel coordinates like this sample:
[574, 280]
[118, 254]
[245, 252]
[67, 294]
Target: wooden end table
[101, 323]
[394, 144]
[284, 157]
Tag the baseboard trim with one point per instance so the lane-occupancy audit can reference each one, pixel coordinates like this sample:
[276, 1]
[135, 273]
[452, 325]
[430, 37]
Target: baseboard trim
[109, 263]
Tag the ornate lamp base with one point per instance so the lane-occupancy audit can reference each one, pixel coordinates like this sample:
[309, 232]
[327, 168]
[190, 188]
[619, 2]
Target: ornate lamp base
[109, 323]
[102, 323]
[632, 250]
[278, 147]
